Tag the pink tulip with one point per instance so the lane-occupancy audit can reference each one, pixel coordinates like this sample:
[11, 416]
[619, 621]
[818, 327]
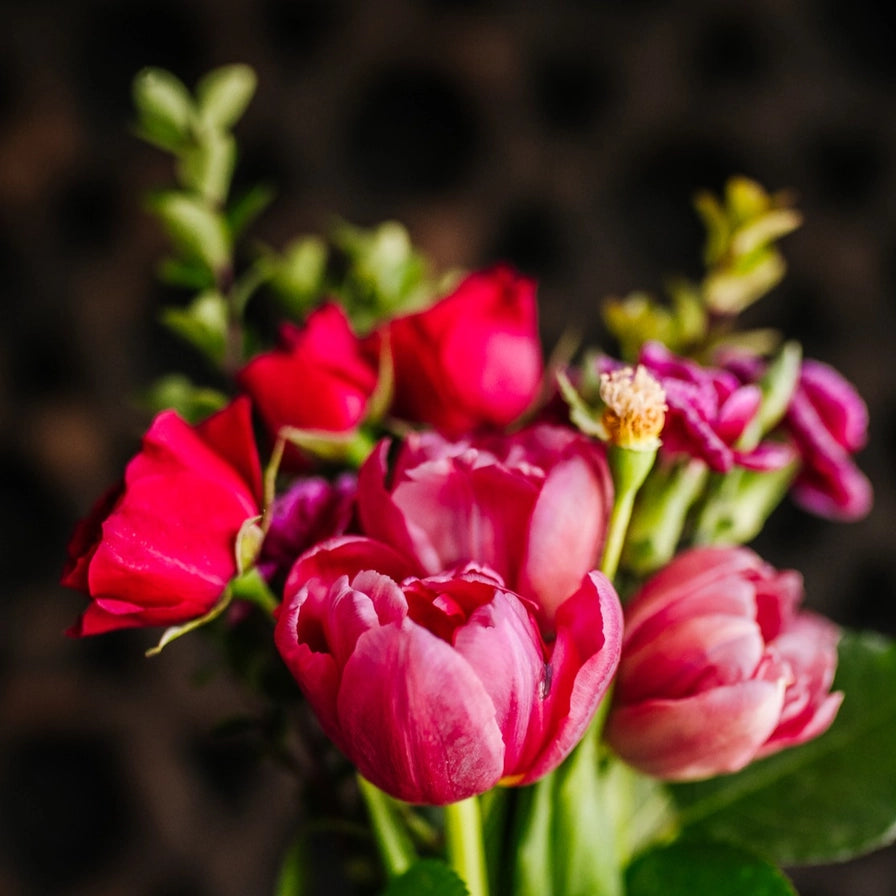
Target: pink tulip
[473, 359]
[720, 667]
[828, 422]
[532, 506]
[160, 548]
[440, 687]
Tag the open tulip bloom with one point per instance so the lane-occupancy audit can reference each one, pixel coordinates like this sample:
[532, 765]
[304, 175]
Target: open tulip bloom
[520, 594]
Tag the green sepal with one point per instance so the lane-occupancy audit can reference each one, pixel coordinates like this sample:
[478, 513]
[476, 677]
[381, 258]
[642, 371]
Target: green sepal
[178, 631]
[352, 447]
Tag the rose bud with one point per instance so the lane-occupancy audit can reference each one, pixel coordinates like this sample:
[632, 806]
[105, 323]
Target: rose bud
[472, 359]
[320, 378]
[441, 687]
[160, 548]
[828, 422]
[532, 506]
[720, 667]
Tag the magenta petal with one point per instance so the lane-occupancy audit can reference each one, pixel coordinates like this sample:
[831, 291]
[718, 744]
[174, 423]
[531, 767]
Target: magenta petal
[421, 725]
[584, 659]
[502, 645]
[566, 532]
[677, 739]
[170, 541]
[839, 405]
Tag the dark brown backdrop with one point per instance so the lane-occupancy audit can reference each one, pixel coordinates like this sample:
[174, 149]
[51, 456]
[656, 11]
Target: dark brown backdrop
[566, 137]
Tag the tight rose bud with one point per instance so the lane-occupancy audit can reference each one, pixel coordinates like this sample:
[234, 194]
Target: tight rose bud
[441, 687]
[160, 548]
[473, 359]
[719, 667]
[828, 422]
[532, 506]
[320, 378]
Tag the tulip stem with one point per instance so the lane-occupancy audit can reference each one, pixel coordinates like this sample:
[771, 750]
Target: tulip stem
[463, 832]
[392, 840]
[630, 467]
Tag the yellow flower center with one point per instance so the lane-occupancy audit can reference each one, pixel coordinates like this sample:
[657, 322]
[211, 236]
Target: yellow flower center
[635, 407]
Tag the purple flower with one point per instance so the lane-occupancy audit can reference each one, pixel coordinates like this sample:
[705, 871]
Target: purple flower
[310, 511]
[828, 422]
[708, 410]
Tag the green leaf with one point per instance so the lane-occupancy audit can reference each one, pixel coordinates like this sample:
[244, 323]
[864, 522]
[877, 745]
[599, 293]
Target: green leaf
[207, 166]
[828, 800]
[181, 272]
[299, 273]
[196, 231]
[223, 94]
[704, 869]
[292, 879]
[247, 207]
[178, 631]
[164, 106]
[430, 877]
[176, 391]
[203, 323]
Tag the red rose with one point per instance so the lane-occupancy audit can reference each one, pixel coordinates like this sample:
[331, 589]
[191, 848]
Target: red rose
[321, 377]
[471, 359]
[160, 548]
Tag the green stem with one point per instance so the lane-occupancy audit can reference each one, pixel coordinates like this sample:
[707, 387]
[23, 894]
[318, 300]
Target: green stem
[619, 520]
[392, 840]
[630, 467]
[466, 854]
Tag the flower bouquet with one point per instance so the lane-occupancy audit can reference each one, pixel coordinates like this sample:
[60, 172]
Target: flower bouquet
[503, 604]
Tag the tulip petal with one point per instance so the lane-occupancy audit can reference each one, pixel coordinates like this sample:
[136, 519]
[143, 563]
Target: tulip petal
[421, 724]
[715, 732]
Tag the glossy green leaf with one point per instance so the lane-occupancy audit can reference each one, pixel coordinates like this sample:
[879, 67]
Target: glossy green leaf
[430, 877]
[299, 273]
[828, 800]
[223, 94]
[704, 869]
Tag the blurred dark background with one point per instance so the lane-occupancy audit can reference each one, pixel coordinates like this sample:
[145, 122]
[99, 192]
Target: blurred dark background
[565, 137]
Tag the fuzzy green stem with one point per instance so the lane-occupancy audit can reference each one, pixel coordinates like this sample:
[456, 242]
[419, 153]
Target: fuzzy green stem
[394, 844]
[466, 853]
